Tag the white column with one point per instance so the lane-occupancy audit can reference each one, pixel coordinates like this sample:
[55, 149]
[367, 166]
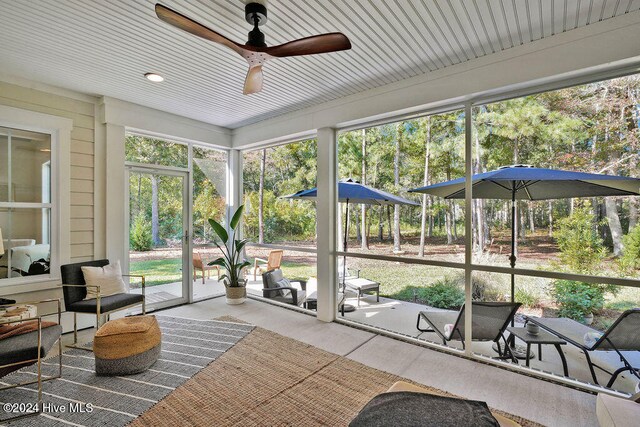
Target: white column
[468, 238]
[234, 177]
[116, 209]
[326, 205]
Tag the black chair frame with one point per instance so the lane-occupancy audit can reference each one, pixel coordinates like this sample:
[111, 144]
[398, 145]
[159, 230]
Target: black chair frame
[84, 286]
[504, 352]
[603, 339]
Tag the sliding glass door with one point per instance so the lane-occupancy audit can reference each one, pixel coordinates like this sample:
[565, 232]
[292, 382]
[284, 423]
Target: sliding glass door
[159, 234]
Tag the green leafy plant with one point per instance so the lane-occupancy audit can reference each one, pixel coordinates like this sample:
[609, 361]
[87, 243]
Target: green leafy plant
[231, 250]
[527, 298]
[578, 299]
[140, 238]
[630, 259]
[581, 249]
[445, 293]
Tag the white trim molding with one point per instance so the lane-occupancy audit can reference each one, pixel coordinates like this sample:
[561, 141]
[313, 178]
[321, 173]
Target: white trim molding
[60, 130]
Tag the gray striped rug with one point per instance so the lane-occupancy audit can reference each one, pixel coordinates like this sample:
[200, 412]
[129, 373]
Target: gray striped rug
[187, 347]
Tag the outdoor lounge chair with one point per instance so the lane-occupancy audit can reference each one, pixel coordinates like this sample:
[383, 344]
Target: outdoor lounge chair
[198, 264]
[287, 294]
[490, 319]
[273, 261]
[622, 335]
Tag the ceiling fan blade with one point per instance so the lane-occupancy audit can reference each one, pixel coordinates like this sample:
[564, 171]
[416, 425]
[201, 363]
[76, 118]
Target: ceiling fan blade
[322, 43]
[189, 25]
[253, 82]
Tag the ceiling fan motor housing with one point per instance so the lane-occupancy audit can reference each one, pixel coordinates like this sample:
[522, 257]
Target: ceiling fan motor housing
[256, 15]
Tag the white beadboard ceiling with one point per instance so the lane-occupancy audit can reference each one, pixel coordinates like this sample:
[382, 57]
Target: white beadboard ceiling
[104, 47]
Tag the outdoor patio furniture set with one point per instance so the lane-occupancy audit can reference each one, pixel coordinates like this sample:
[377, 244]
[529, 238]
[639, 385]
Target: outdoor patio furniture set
[491, 322]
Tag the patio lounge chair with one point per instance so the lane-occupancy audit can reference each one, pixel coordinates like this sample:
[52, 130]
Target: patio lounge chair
[622, 335]
[350, 280]
[490, 319]
[287, 294]
[274, 261]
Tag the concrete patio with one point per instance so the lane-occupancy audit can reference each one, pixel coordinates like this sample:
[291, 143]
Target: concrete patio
[399, 317]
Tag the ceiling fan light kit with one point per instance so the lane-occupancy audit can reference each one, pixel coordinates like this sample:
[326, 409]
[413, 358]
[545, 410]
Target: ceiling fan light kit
[255, 51]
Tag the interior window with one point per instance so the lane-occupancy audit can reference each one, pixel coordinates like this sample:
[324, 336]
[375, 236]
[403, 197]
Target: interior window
[25, 203]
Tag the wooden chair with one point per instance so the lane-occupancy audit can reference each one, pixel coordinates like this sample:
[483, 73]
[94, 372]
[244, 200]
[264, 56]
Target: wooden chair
[198, 264]
[273, 262]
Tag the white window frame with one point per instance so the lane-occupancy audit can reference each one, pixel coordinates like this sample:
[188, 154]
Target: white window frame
[59, 129]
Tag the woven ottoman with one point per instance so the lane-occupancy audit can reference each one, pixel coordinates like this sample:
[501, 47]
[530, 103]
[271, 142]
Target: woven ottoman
[127, 346]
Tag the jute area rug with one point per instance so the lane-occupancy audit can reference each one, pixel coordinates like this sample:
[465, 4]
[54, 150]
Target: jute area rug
[267, 379]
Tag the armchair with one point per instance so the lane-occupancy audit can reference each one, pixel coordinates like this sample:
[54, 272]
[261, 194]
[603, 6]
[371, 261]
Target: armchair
[287, 294]
[74, 291]
[19, 351]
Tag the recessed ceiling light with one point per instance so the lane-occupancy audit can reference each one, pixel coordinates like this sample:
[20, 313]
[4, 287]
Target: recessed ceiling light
[156, 78]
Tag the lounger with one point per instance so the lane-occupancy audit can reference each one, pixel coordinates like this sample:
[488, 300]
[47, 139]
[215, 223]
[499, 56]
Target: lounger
[622, 335]
[490, 319]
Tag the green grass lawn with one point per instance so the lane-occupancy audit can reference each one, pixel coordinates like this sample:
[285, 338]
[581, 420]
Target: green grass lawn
[158, 272]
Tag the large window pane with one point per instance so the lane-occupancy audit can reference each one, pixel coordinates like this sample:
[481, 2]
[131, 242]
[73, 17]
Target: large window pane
[141, 149]
[270, 174]
[25, 172]
[25, 238]
[396, 157]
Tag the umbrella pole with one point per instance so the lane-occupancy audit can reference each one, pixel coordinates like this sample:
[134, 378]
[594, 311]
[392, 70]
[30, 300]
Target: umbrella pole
[512, 258]
[347, 307]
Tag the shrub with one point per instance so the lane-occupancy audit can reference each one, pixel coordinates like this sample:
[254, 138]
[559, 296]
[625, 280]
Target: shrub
[578, 299]
[630, 259]
[140, 234]
[527, 298]
[445, 293]
[581, 249]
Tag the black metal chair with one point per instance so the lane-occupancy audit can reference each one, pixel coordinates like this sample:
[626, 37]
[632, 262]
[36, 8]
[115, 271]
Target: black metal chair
[30, 348]
[489, 319]
[287, 294]
[622, 335]
[74, 290]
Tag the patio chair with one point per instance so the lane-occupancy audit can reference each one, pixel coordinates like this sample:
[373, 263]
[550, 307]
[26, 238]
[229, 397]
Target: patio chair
[490, 319]
[74, 290]
[198, 264]
[622, 335]
[287, 294]
[354, 283]
[273, 262]
[19, 351]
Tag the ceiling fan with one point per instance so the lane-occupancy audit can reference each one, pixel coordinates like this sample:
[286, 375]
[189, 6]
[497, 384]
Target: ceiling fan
[255, 51]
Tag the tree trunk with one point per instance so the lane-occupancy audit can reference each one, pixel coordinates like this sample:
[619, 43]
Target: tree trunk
[480, 218]
[430, 202]
[447, 223]
[396, 181]
[425, 181]
[454, 221]
[532, 225]
[155, 228]
[364, 242]
[613, 219]
[358, 231]
[633, 213]
[263, 161]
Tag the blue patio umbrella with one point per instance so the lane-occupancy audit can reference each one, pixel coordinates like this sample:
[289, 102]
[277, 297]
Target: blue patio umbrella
[351, 191]
[522, 182]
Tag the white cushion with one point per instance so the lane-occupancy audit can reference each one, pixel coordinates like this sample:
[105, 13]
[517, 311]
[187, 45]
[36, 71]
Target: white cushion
[109, 278]
[284, 283]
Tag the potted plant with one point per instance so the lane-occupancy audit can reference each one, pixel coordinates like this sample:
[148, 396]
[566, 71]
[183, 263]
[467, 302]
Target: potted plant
[230, 260]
